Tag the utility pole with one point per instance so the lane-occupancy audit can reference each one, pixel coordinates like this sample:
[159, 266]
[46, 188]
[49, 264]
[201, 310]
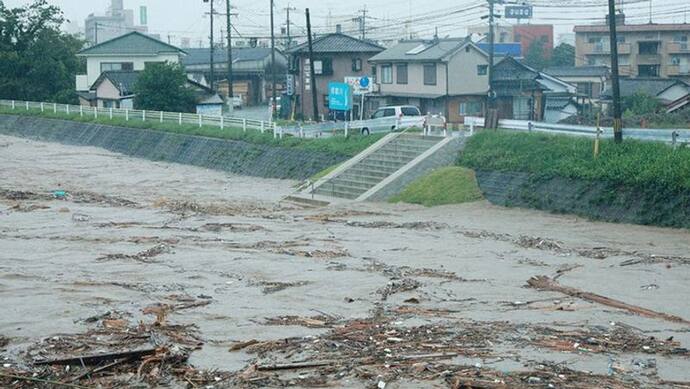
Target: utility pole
[312, 75]
[273, 62]
[617, 119]
[96, 33]
[231, 92]
[492, 93]
[362, 23]
[213, 70]
[289, 37]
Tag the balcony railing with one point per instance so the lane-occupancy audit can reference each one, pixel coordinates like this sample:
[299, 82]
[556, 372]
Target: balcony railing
[678, 70]
[649, 59]
[605, 48]
[678, 48]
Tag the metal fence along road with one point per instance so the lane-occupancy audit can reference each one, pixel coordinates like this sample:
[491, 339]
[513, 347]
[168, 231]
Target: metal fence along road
[673, 136]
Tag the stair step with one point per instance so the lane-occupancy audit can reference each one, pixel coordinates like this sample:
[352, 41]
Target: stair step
[352, 184]
[339, 191]
[365, 175]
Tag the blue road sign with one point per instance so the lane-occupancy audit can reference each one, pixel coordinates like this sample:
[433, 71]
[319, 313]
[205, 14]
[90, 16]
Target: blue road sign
[364, 82]
[339, 96]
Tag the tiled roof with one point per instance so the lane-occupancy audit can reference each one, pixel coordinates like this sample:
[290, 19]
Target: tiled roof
[133, 43]
[123, 80]
[578, 71]
[633, 27]
[434, 51]
[647, 86]
[337, 43]
[202, 56]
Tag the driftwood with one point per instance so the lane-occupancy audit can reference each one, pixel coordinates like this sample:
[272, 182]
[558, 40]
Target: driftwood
[545, 283]
[94, 359]
[290, 366]
[34, 379]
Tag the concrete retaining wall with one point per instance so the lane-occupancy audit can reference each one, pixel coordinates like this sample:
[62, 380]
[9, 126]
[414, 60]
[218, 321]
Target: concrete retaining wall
[218, 154]
[596, 200]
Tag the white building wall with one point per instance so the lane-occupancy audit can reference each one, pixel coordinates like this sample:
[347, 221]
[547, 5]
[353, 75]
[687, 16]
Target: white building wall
[93, 63]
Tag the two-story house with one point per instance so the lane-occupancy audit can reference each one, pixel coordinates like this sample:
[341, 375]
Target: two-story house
[447, 76]
[336, 56]
[127, 53]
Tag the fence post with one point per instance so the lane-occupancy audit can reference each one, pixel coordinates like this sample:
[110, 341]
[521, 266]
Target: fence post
[42, 107]
[143, 115]
[244, 125]
[81, 110]
[275, 133]
[280, 132]
[110, 113]
[13, 105]
[674, 139]
[180, 119]
[161, 117]
[27, 105]
[222, 125]
[54, 107]
[347, 127]
[67, 108]
[262, 126]
[201, 121]
[126, 114]
[95, 112]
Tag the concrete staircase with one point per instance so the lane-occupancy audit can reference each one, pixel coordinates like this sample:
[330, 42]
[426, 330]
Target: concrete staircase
[376, 167]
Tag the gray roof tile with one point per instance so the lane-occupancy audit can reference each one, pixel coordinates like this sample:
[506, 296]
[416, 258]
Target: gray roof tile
[578, 71]
[435, 50]
[202, 56]
[647, 86]
[337, 43]
[133, 43]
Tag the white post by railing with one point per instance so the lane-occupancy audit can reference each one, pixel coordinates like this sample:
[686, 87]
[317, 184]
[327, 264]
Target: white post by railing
[126, 114]
[222, 125]
[27, 105]
[346, 128]
[95, 112]
[301, 132]
[201, 121]
[67, 108]
[143, 115]
[244, 125]
[13, 105]
[180, 118]
[161, 117]
[81, 110]
[262, 126]
[110, 113]
[275, 133]
[280, 132]
[54, 107]
[42, 107]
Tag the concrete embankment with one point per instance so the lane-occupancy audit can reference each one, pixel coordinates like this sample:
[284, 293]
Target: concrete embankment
[598, 200]
[218, 154]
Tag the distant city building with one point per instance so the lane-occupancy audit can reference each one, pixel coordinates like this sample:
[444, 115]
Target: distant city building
[524, 34]
[644, 50]
[117, 21]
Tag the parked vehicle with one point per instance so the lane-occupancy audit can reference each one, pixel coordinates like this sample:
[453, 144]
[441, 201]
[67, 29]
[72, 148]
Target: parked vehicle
[237, 102]
[386, 119]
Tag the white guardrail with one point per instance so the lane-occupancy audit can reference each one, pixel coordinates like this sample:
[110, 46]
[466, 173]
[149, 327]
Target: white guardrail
[668, 135]
[178, 118]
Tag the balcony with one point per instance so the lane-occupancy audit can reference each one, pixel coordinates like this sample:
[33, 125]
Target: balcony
[649, 59]
[605, 48]
[678, 48]
[678, 70]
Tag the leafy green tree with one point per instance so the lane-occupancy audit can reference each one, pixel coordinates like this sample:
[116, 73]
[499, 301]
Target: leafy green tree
[641, 104]
[162, 87]
[563, 55]
[536, 54]
[37, 61]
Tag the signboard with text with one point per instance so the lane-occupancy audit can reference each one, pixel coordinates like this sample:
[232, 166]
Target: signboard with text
[519, 12]
[360, 85]
[339, 96]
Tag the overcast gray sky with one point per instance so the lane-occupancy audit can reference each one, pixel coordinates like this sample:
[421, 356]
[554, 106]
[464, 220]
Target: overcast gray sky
[185, 18]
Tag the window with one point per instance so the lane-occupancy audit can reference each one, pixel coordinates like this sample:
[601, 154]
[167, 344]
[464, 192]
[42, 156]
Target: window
[386, 74]
[471, 108]
[401, 77]
[675, 60]
[648, 70]
[356, 64]
[585, 88]
[323, 67]
[649, 48]
[430, 74]
[482, 70]
[410, 111]
[680, 38]
[383, 113]
[116, 66]
[326, 101]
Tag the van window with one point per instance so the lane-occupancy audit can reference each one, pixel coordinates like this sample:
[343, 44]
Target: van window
[388, 112]
[378, 114]
[410, 111]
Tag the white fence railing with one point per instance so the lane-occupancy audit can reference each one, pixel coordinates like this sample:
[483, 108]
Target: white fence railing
[668, 135]
[178, 118]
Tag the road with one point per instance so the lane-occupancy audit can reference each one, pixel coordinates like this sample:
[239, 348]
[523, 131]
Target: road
[375, 293]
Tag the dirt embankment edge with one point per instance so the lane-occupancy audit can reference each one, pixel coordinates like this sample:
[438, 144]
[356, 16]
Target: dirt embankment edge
[218, 154]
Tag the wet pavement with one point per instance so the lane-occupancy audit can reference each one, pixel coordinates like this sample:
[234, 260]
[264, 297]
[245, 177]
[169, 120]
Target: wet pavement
[268, 294]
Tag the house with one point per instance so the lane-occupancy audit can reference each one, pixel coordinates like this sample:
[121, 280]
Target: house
[524, 93]
[251, 68]
[447, 76]
[115, 89]
[672, 93]
[589, 80]
[210, 105]
[644, 50]
[336, 56]
[127, 53]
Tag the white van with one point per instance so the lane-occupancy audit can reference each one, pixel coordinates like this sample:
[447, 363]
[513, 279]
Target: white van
[386, 119]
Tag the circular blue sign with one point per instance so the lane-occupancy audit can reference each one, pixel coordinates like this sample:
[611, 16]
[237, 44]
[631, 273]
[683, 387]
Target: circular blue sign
[364, 82]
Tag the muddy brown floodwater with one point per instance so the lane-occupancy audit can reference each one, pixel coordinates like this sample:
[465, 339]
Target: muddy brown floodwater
[147, 274]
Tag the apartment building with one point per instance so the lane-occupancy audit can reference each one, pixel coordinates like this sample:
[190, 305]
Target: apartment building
[644, 50]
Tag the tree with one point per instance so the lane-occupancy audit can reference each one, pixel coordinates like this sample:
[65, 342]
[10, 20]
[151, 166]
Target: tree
[563, 55]
[163, 87]
[37, 61]
[536, 54]
[641, 103]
